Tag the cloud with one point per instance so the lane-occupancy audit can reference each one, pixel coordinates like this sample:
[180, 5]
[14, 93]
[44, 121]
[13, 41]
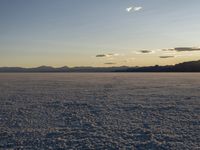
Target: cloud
[107, 55]
[145, 52]
[184, 55]
[129, 60]
[183, 49]
[101, 55]
[130, 9]
[109, 63]
[164, 57]
[137, 8]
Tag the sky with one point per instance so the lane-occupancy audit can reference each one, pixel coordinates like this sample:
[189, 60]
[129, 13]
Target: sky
[98, 32]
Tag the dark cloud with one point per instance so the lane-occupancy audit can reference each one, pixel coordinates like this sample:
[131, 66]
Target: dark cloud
[107, 55]
[183, 49]
[109, 63]
[145, 51]
[167, 56]
[101, 55]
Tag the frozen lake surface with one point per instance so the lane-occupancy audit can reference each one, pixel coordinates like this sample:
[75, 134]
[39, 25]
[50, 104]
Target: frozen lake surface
[100, 111]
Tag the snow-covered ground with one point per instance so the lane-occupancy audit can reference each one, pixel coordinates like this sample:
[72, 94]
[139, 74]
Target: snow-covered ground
[100, 111]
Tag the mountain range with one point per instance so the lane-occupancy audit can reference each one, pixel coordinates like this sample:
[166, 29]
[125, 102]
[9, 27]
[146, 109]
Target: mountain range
[192, 66]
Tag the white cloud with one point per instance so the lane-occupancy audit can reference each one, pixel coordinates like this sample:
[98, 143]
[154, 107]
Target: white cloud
[130, 9]
[110, 55]
[137, 8]
[184, 55]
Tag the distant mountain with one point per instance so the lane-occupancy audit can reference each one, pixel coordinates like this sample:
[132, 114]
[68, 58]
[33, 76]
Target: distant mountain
[62, 69]
[192, 66]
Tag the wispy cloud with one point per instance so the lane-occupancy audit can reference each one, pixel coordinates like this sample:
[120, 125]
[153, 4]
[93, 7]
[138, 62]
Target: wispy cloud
[183, 49]
[101, 55]
[107, 55]
[137, 8]
[184, 55]
[133, 9]
[129, 9]
[164, 57]
[129, 60]
[144, 52]
[110, 63]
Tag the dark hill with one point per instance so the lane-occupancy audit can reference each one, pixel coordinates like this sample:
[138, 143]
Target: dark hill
[192, 66]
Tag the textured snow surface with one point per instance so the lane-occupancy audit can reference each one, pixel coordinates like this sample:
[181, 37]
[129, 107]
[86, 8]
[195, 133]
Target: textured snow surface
[100, 111]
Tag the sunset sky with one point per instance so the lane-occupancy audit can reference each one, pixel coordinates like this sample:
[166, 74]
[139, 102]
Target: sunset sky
[98, 32]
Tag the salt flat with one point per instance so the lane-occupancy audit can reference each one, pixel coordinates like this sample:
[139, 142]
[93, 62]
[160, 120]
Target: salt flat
[100, 111]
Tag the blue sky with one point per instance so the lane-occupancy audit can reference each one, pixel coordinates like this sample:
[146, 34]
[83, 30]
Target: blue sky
[73, 32]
